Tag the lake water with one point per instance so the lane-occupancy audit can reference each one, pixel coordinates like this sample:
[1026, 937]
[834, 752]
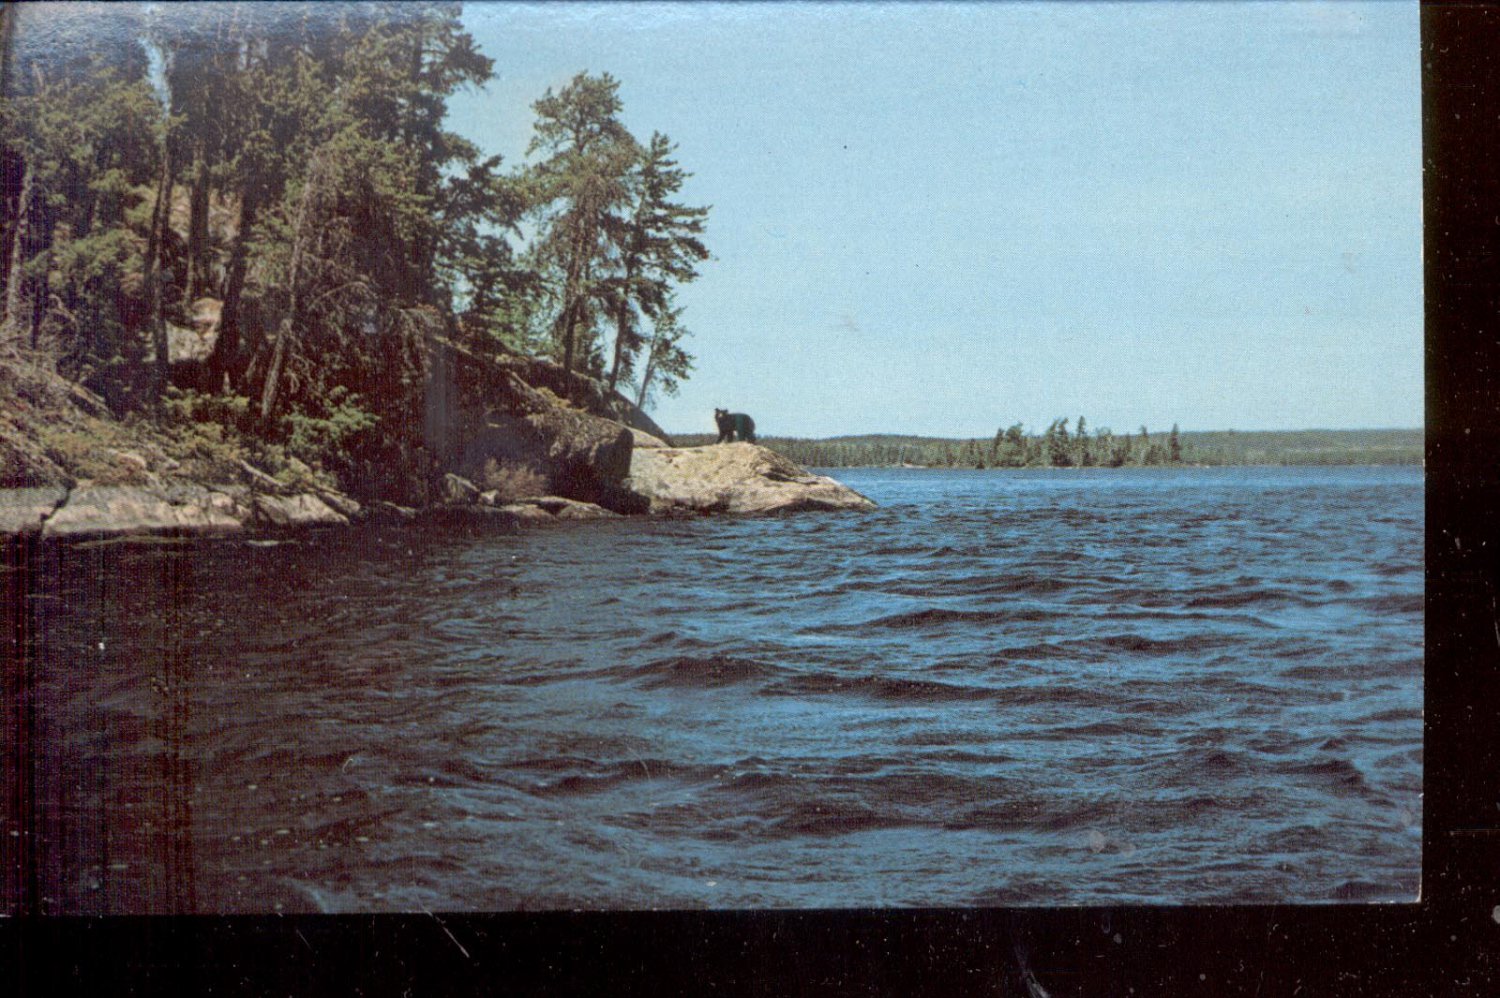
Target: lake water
[1185, 685]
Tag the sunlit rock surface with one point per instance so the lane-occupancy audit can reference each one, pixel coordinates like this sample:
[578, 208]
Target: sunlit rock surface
[732, 478]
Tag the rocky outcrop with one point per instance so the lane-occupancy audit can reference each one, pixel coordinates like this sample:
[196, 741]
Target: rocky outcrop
[486, 419]
[491, 509]
[120, 510]
[505, 440]
[165, 508]
[584, 393]
[732, 478]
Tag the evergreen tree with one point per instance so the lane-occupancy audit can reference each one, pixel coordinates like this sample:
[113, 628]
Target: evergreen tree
[577, 188]
[1083, 456]
[656, 247]
[1059, 449]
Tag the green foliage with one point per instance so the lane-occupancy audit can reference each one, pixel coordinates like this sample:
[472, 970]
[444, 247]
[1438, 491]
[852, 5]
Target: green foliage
[184, 406]
[574, 191]
[92, 453]
[281, 175]
[331, 432]
[657, 246]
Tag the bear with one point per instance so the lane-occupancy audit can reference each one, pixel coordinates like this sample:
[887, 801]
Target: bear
[734, 425]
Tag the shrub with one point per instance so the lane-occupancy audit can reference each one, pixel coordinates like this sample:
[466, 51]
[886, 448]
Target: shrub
[183, 406]
[316, 438]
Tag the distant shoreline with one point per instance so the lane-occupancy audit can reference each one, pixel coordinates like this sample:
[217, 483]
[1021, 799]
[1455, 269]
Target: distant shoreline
[1201, 448]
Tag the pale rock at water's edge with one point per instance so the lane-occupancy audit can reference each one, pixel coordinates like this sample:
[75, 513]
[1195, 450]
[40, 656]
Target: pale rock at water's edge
[23, 510]
[116, 510]
[306, 510]
[557, 508]
[732, 478]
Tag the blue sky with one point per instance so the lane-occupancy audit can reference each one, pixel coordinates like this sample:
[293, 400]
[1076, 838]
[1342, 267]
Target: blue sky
[946, 218]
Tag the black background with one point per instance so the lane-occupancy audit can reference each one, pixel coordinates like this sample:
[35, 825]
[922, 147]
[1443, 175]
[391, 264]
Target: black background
[1449, 943]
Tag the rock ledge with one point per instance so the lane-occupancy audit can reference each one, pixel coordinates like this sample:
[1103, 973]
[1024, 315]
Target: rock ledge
[732, 478]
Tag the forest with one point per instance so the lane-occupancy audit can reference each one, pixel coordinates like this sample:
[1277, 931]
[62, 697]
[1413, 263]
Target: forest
[247, 223]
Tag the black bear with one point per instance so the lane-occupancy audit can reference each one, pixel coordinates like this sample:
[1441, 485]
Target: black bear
[734, 425]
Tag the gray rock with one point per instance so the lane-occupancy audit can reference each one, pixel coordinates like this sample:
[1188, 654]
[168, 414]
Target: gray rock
[188, 345]
[23, 510]
[556, 508]
[458, 490]
[130, 459]
[733, 478]
[644, 439]
[389, 512]
[341, 503]
[526, 512]
[259, 480]
[306, 510]
[116, 510]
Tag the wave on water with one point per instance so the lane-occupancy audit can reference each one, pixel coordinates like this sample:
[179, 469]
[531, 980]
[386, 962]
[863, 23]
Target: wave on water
[1103, 686]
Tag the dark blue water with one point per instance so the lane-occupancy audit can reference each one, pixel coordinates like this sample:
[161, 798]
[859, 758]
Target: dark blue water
[1001, 688]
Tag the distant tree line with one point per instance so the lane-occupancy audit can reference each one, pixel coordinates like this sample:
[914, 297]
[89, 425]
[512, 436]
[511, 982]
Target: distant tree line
[282, 175]
[1013, 447]
[1057, 447]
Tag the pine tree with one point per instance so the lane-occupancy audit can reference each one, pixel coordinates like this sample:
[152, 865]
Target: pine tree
[1059, 448]
[580, 184]
[656, 246]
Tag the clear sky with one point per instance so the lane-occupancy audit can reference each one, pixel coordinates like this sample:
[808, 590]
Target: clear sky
[942, 219]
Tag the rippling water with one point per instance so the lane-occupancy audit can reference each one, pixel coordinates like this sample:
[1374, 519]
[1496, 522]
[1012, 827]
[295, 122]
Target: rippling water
[1000, 688]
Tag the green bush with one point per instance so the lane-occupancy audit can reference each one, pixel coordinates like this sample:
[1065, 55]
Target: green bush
[184, 406]
[316, 438]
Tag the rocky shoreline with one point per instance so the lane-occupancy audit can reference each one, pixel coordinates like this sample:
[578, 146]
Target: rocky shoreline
[506, 440]
[742, 479]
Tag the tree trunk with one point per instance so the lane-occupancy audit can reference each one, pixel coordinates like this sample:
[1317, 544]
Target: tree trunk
[640, 399]
[622, 317]
[197, 249]
[278, 361]
[614, 368]
[20, 235]
[224, 362]
[570, 310]
[161, 217]
[287, 328]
